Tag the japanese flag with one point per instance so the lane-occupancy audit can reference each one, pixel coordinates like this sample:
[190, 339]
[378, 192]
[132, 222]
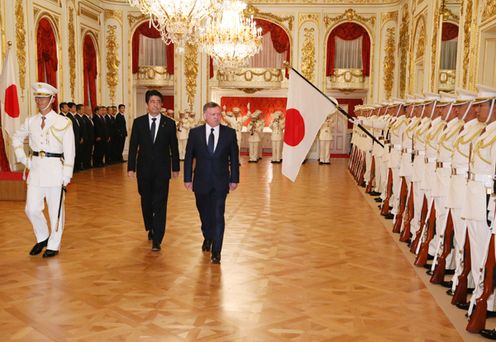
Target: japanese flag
[307, 108]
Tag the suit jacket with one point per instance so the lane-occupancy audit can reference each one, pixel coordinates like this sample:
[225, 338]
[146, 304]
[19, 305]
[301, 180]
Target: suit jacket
[120, 125]
[150, 158]
[211, 171]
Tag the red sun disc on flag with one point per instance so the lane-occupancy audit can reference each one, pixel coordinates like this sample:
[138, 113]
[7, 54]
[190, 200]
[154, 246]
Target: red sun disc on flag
[294, 131]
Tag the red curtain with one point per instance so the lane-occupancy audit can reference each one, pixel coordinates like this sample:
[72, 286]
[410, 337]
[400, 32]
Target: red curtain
[267, 105]
[4, 163]
[90, 72]
[47, 54]
[149, 31]
[348, 31]
[351, 107]
[450, 31]
[168, 101]
[280, 39]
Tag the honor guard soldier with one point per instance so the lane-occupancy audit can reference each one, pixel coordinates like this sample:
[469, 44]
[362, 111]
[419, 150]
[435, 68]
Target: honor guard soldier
[51, 140]
[183, 128]
[325, 138]
[277, 135]
[255, 128]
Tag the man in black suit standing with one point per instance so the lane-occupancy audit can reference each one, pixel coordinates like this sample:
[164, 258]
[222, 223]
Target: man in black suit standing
[153, 153]
[214, 149]
[121, 133]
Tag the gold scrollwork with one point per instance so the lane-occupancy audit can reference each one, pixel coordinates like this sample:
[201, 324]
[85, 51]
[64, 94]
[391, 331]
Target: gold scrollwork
[435, 33]
[466, 40]
[349, 15]
[269, 75]
[112, 61]
[4, 40]
[72, 52]
[113, 14]
[304, 17]
[21, 43]
[449, 15]
[135, 19]
[308, 54]
[489, 10]
[252, 10]
[388, 16]
[403, 47]
[389, 62]
[420, 39]
[191, 72]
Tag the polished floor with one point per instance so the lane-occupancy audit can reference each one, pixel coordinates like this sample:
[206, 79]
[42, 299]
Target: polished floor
[304, 261]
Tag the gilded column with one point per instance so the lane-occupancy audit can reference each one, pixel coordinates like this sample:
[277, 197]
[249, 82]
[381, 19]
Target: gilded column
[403, 47]
[308, 55]
[72, 52]
[21, 43]
[466, 40]
[389, 62]
[191, 72]
[434, 54]
[112, 61]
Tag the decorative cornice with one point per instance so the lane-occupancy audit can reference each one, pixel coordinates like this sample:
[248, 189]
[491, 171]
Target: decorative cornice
[72, 52]
[489, 10]
[112, 61]
[304, 17]
[191, 72]
[349, 15]
[21, 43]
[113, 14]
[252, 10]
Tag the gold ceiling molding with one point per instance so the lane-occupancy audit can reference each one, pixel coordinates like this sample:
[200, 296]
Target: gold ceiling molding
[72, 52]
[21, 43]
[434, 55]
[388, 16]
[252, 10]
[489, 10]
[191, 72]
[449, 15]
[304, 17]
[308, 54]
[133, 20]
[349, 15]
[389, 62]
[112, 61]
[403, 47]
[113, 14]
[324, 2]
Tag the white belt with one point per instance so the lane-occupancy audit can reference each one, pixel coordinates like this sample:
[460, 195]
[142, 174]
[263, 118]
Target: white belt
[430, 160]
[478, 177]
[456, 171]
[419, 153]
[397, 147]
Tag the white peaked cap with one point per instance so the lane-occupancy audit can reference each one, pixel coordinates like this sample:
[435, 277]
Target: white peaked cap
[485, 91]
[431, 96]
[41, 89]
[447, 97]
[465, 95]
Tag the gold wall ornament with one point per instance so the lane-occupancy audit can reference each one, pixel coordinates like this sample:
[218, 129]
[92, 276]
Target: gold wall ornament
[308, 54]
[489, 10]
[388, 16]
[403, 47]
[448, 15]
[133, 20]
[113, 14]
[420, 40]
[389, 62]
[349, 15]
[435, 42]
[252, 10]
[72, 53]
[304, 17]
[112, 61]
[3, 38]
[466, 40]
[191, 72]
[21, 43]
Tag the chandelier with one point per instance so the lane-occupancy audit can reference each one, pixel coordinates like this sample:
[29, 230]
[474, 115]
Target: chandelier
[230, 38]
[179, 21]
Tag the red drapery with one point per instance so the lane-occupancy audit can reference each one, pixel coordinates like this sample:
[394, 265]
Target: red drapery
[149, 31]
[267, 105]
[90, 72]
[47, 54]
[4, 163]
[450, 31]
[348, 31]
[351, 107]
[168, 102]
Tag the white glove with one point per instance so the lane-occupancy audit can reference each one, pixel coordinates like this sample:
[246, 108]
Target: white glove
[26, 162]
[66, 180]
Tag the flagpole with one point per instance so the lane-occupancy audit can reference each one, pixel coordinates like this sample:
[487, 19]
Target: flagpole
[341, 110]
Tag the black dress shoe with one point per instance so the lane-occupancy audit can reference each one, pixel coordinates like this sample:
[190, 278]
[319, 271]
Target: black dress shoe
[463, 306]
[449, 272]
[428, 266]
[447, 284]
[207, 244]
[215, 258]
[50, 253]
[150, 235]
[389, 216]
[378, 200]
[37, 248]
[430, 257]
[156, 247]
[374, 193]
[490, 334]
[450, 292]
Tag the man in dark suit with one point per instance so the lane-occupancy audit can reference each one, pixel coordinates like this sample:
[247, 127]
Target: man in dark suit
[214, 149]
[90, 143]
[120, 133]
[100, 137]
[153, 153]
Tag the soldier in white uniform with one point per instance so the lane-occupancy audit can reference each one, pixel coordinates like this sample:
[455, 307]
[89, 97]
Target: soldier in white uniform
[183, 128]
[325, 138]
[255, 128]
[51, 140]
[277, 135]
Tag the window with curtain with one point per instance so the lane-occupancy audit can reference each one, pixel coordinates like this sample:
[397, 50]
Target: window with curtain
[152, 51]
[348, 53]
[268, 57]
[448, 54]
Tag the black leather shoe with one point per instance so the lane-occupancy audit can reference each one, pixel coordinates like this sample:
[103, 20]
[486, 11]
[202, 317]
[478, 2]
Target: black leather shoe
[207, 244]
[215, 258]
[49, 253]
[150, 235]
[463, 306]
[449, 272]
[156, 247]
[37, 248]
[447, 284]
[450, 292]
[374, 193]
[490, 334]
[430, 257]
[389, 216]
[428, 266]
[378, 199]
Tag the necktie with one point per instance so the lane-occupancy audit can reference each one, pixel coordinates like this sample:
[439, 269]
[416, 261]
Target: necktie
[211, 141]
[154, 127]
[43, 121]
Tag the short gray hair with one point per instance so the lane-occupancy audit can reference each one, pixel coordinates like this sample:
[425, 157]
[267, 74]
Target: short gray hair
[210, 105]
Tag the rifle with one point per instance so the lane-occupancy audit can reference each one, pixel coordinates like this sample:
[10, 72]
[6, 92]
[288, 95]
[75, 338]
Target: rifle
[477, 320]
[421, 259]
[389, 192]
[460, 295]
[407, 223]
[372, 176]
[420, 231]
[438, 273]
[402, 205]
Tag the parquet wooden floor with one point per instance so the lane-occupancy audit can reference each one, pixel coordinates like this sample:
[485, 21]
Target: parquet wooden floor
[308, 261]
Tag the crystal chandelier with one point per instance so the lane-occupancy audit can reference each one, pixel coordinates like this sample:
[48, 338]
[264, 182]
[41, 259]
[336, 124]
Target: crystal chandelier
[178, 21]
[230, 38]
